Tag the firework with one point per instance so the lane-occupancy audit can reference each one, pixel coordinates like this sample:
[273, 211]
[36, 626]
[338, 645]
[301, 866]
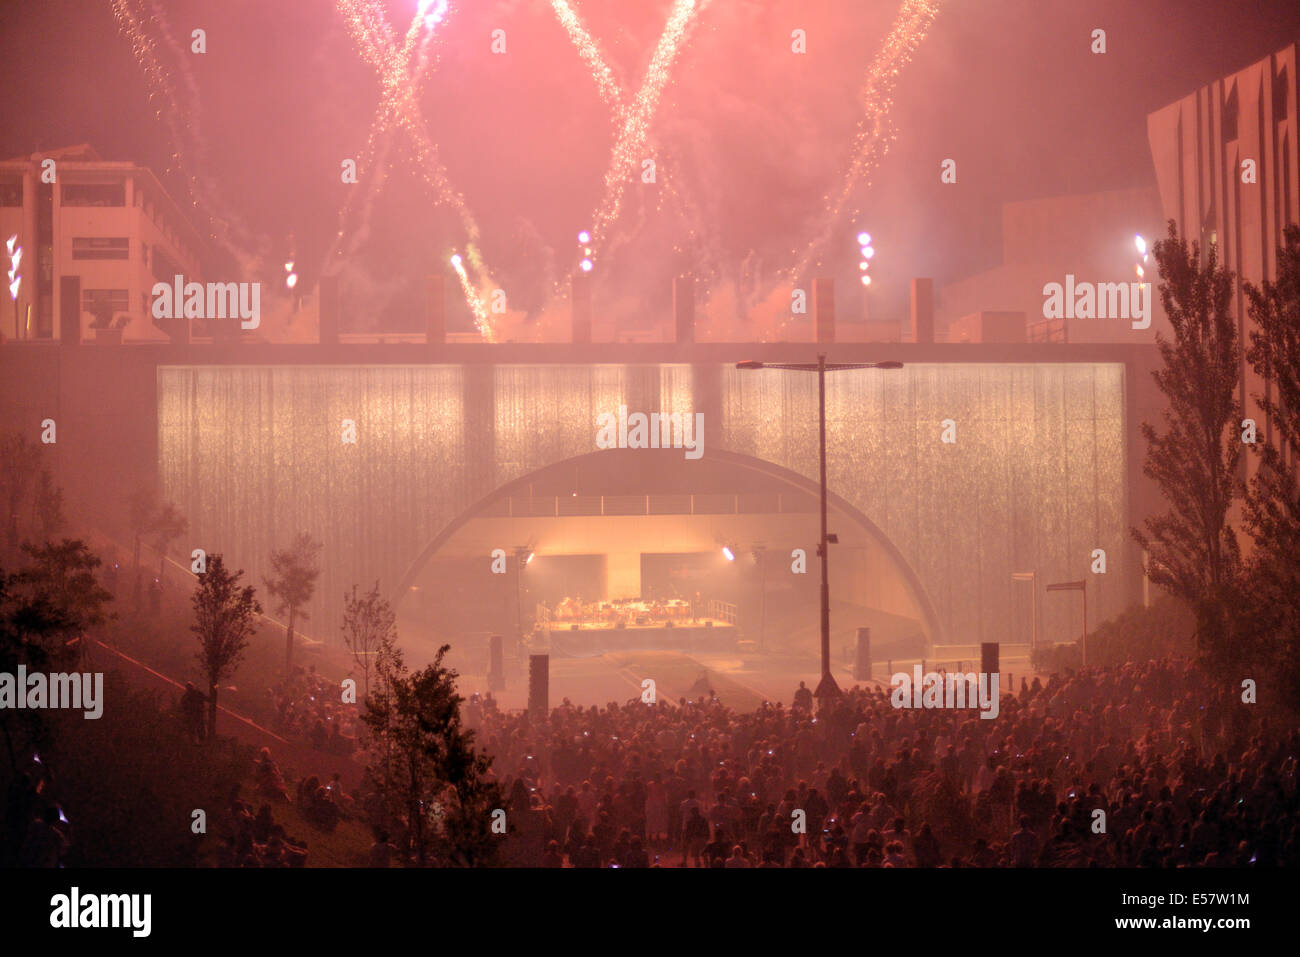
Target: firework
[473, 299]
[876, 131]
[635, 127]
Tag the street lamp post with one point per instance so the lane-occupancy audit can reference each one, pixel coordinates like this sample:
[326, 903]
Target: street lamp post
[827, 689]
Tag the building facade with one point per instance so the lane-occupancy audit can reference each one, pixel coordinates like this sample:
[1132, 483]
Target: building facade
[1227, 166]
[95, 236]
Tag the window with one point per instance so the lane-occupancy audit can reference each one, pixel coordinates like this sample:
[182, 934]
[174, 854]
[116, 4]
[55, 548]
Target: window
[94, 194]
[11, 192]
[98, 247]
[104, 304]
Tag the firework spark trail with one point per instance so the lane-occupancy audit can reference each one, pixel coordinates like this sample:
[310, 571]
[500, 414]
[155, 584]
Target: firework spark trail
[636, 122]
[611, 92]
[131, 26]
[676, 189]
[399, 105]
[876, 131]
[373, 35]
[229, 228]
[474, 300]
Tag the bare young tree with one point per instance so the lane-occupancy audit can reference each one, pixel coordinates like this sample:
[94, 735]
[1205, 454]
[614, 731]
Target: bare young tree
[224, 619]
[292, 583]
[369, 624]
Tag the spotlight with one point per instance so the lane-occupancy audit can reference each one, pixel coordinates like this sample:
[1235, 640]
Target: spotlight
[455, 259]
[584, 237]
[864, 239]
[288, 267]
[586, 265]
[866, 280]
[291, 280]
[862, 266]
[728, 553]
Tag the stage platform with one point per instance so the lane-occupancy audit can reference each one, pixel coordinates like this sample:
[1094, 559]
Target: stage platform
[704, 634]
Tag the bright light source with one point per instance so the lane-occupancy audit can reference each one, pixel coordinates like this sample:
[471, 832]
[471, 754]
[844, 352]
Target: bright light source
[288, 267]
[586, 265]
[866, 280]
[584, 237]
[9, 243]
[868, 252]
[529, 558]
[864, 239]
[1141, 244]
[1141, 274]
[728, 553]
[862, 266]
[455, 259]
[586, 250]
[291, 280]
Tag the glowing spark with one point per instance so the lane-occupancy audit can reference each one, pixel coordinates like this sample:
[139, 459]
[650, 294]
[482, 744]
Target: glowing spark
[875, 130]
[471, 297]
[630, 144]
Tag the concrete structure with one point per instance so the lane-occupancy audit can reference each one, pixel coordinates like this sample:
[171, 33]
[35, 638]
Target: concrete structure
[1228, 164]
[245, 439]
[989, 327]
[95, 240]
[1088, 236]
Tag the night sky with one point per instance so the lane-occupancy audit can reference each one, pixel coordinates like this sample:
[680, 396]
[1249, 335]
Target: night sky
[1007, 88]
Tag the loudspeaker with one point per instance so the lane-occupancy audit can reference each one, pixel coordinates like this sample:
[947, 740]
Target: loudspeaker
[989, 657]
[496, 664]
[539, 683]
[862, 664]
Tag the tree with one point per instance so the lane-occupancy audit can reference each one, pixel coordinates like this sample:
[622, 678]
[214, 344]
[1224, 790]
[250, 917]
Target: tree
[1193, 551]
[369, 624]
[224, 616]
[141, 511]
[22, 465]
[292, 583]
[168, 525]
[45, 610]
[60, 597]
[425, 765]
[48, 506]
[1272, 510]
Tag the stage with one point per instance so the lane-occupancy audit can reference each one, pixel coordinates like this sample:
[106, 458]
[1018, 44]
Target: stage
[589, 638]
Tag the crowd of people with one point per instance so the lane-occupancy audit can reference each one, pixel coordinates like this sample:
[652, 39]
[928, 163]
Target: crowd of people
[256, 840]
[308, 707]
[1155, 764]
